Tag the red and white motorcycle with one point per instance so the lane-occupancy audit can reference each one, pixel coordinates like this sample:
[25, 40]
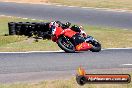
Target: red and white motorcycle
[71, 41]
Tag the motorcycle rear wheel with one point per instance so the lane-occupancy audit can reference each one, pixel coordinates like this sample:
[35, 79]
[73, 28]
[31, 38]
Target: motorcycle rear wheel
[65, 44]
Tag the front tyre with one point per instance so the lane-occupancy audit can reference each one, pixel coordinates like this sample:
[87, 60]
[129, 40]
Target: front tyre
[65, 44]
[96, 46]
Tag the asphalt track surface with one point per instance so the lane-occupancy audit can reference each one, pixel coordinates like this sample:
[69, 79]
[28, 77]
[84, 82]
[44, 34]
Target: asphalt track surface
[71, 14]
[53, 63]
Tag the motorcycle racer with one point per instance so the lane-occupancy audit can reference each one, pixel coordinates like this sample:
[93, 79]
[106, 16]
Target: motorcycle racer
[79, 29]
[75, 28]
[73, 33]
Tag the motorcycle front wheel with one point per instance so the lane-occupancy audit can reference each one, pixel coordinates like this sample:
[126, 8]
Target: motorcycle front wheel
[96, 46]
[65, 44]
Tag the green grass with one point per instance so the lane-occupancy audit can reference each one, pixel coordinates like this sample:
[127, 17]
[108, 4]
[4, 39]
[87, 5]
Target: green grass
[113, 4]
[10, 39]
[71, 83]
[109, 38]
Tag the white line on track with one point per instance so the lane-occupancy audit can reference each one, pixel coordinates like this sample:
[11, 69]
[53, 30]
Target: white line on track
[117, 48]
[25, 18]
[35, 52]
[103, 9]
[33, 19]
[127, 64]
[18, 17]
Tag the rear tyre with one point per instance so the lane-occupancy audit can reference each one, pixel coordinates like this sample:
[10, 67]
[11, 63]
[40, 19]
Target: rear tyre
[65, 44]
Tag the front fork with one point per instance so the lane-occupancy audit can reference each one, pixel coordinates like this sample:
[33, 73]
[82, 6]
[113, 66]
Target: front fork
[90, 39]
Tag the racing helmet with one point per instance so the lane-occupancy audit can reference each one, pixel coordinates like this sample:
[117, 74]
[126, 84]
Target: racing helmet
[68, 24]
[75, 28]
[53, 24]
[59, 23]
